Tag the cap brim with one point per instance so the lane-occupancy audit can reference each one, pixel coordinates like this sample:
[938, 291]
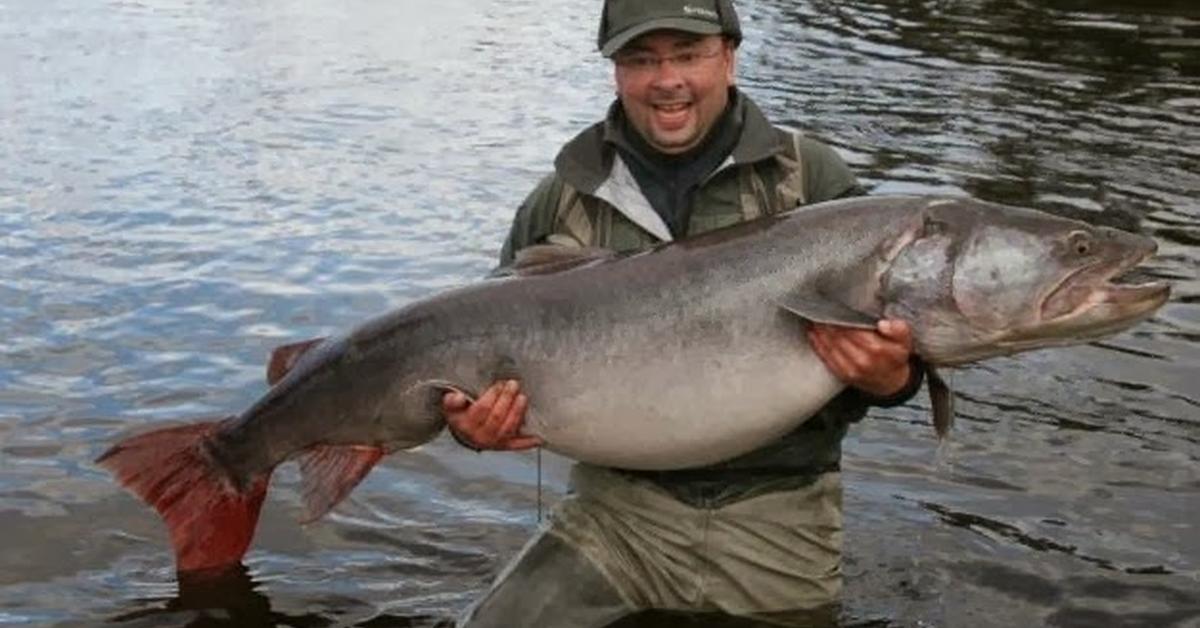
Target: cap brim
[687, 25]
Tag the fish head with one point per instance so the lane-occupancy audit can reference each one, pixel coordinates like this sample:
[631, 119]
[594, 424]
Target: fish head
[979, 280]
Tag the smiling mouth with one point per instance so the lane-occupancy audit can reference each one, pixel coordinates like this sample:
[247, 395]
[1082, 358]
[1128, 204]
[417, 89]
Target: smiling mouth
[672, 114]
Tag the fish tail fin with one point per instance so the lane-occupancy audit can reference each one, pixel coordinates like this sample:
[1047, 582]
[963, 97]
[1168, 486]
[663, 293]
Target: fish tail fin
[210, 515]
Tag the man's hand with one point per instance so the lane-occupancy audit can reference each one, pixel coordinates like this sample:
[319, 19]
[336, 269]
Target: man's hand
[493, 421]
[873, 361]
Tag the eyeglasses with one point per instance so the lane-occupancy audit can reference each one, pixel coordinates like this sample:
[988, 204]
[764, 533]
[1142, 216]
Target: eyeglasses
[647, 63]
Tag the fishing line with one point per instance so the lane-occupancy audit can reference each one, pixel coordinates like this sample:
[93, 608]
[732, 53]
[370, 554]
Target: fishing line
[539, 485]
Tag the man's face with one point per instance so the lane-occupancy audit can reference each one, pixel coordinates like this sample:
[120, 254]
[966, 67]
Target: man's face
[673, 86]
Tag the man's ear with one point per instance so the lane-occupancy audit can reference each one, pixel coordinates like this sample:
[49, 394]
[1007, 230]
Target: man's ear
[731, 69]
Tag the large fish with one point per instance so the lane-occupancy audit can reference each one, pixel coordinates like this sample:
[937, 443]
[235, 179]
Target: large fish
[685, 355]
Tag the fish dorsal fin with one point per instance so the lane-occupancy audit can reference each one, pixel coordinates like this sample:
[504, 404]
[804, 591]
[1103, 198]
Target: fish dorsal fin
[284, 357]
[330, 472]
[941, 401]
[813, 305]
[546, 259]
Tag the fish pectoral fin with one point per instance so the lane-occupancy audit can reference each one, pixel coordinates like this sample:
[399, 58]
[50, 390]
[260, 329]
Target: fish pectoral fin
[547, 259]
[941, 401]
[431, 390]
[330, 472]
[818, 308]
[422, 406]
[284, 357]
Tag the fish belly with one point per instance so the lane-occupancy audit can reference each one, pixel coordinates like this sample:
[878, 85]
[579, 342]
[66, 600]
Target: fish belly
[698, 405]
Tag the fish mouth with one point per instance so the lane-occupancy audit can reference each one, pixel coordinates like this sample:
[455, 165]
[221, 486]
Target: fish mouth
[1104, 297]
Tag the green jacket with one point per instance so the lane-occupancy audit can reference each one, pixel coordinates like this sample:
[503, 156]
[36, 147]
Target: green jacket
[592, 199]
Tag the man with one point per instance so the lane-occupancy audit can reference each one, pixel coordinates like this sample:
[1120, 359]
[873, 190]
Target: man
[682, 151]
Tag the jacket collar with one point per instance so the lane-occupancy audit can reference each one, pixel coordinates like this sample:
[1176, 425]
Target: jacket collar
[587, 161]
[590, 163]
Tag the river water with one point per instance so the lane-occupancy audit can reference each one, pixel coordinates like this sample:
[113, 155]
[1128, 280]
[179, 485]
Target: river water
[188, 183]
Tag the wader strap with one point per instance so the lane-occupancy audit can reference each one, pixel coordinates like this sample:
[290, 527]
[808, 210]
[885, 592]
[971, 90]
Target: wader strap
[791, 187]
[580, 220]
[753, 191]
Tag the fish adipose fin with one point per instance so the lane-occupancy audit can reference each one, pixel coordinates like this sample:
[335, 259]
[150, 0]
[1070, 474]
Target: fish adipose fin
[210, 519]
[284, 357]
[329, 474]
[941, 401]
[818, 308]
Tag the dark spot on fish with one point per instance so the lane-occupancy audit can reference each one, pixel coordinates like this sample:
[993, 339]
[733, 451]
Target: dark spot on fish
[710, 327]
[504, 367]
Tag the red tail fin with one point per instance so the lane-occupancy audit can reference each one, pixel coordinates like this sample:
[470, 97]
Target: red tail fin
[211, 521]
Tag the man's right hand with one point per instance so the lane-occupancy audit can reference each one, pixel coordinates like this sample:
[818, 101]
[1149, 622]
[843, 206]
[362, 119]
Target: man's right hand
[493, 421]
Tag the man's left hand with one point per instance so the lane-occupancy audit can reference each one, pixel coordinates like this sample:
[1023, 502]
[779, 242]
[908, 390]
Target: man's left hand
[873, 361]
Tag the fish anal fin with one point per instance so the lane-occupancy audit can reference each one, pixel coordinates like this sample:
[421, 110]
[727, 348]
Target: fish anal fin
[818, 308]
[284, 357]
[330, 472]
[546, 259]
[941, 401]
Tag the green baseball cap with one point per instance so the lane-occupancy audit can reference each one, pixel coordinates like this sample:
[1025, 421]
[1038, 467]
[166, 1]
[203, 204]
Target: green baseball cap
[622, 21]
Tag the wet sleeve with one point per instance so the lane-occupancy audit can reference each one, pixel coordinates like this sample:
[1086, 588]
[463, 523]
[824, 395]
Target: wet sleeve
[829, 178]
[826, 174]
[916, 376]
[534, 220]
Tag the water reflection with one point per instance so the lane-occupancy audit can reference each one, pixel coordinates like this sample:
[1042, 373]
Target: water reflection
[227, 600]
[233, 599]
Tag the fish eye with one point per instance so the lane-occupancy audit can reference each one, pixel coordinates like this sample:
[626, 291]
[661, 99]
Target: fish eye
[1080, 243]
[933, 227]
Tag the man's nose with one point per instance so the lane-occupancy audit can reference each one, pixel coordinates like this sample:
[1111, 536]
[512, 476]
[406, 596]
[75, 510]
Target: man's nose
[667, 74]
